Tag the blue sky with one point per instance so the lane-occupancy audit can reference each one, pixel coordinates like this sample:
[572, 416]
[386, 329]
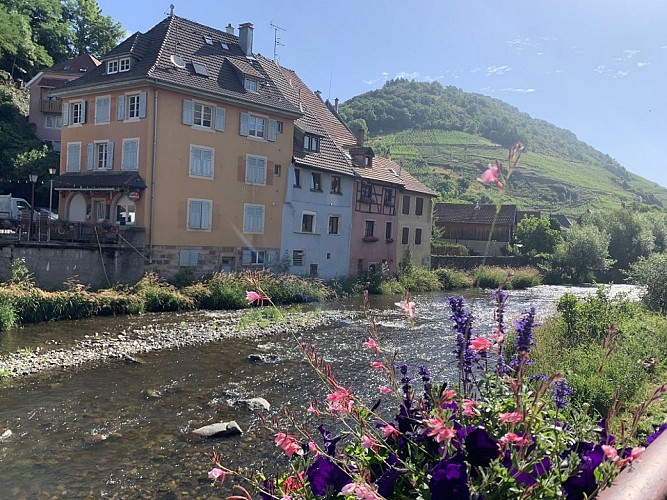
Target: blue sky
[595, 67]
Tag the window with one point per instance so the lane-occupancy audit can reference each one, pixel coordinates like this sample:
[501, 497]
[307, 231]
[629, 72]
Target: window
[200, 69]
[313, 271]
[311, 143]
[297, 177]
[419, 206]
[277, 169]
[405, 237]
[279, 127]
[199, 214]
[102, 109]
[255, 126]
[297, 257]
[133, 106]
[112, 67]
[308, 222]
[255, 170]
[406, 205]
[335, 184]
[126, 211]
[334, 224]
[124, 64]
[130, 154]
[73, 156]
[369, 229]
[208, 40]
[250, 85]
[53, 121]
[78, 112]
[253, 218]
[203, 115]
[201, 161]
[366, 192]
[316, 182]
[418, 236]
[388, 231]
[188, 257]
[388, 196]
[102, 155]
[257, 257]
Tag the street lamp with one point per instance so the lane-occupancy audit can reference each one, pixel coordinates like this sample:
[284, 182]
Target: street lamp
[52, 172]
[33, 179]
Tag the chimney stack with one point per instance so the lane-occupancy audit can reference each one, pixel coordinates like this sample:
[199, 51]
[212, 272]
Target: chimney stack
[360, 137]
[318, 93]
[230, 29]
[245, 38]
[336, 104]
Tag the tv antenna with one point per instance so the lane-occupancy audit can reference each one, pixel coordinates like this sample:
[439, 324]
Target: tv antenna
[276, 40]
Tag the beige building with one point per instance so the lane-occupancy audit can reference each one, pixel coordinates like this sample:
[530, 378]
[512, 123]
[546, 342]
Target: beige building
[180, 135]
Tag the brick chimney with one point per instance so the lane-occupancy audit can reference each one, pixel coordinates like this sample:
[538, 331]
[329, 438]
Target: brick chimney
[245, 38]
[230, 29]
[360, 137]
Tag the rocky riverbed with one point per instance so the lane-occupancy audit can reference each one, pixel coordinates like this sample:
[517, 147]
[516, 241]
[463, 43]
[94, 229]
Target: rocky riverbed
[130, 344]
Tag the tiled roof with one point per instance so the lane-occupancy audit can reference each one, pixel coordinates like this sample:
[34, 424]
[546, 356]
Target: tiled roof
[52, 82]
[83, 62]
[475, 214]
[152, 52]
[99, 180]
[412, 184]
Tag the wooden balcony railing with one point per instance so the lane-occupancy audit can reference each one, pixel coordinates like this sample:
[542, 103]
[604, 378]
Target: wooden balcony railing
[51, 106]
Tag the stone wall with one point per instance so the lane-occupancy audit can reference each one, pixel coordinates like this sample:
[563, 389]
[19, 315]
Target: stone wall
[456, 262]
[95, 266]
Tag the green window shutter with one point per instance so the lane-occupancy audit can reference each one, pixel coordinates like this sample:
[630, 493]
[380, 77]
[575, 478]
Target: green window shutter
[188, 112]
[273, 130]
[120, 107]
[109, 155]
[220, 115]
[244, 124]
[90, 156]
[142, 105]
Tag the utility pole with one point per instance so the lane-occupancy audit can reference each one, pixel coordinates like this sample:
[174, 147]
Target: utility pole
[276, 40]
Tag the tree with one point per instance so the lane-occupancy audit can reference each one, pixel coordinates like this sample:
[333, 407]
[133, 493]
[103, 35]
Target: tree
[536, 236]
[651, 272]
[583, 254]
[630, 235]
[92, 32]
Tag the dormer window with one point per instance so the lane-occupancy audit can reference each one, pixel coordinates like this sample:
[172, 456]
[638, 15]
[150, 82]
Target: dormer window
[112, 67]
[311, 143]
[250, 84]
[124, 64]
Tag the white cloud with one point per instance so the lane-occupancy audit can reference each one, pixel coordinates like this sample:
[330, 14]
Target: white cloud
[663, 47]
[497, 70]
[621, 74]
[641, 64]
[601, 69]
[519, 44]
[630, 53]
[523, 91]
[557, 71]
[539, 54]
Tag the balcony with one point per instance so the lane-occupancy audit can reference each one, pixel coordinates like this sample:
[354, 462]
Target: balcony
[51, 106]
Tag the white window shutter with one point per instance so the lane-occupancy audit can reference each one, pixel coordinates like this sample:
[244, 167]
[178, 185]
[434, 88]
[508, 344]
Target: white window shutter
[195, 215]
[142, 105]
[65, 113]
[207, 163]
[273, 130]
[83, 111]
[90, 156]
[244, 124]
[188, 112]
[220, 115]
[205, 215]
[109, 155]
[246, 259]
[120, 107]
[184, 257]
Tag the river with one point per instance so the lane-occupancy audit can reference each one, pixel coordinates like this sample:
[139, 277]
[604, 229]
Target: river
[117, 430]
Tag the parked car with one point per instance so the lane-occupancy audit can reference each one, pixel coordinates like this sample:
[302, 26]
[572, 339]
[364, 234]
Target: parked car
[53, 215]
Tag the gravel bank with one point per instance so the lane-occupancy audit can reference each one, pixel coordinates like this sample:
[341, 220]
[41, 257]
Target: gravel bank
[104, 347]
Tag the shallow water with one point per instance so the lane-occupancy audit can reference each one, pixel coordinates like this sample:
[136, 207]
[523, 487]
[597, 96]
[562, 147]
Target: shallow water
[122, 431]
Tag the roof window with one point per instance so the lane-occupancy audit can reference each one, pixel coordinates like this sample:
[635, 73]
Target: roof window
[224, 45]
[200, 68]
[208, 40]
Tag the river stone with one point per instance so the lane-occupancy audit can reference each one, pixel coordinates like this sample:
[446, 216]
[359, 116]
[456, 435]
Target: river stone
[5, 434]
[220, 429]
[152, 394]
[263, 358]
[132, 360]
[255, 404]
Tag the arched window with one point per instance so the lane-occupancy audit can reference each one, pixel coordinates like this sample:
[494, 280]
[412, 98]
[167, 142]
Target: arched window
[126, 211]
[77, 208]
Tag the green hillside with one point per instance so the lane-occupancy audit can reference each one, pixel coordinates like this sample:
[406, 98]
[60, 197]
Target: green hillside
[447, 137]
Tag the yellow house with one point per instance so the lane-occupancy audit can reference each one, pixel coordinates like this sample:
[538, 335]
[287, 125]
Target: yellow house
[182, 136]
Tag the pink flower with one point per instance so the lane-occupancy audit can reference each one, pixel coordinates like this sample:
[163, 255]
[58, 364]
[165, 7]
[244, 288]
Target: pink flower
[636, 452]
[407, 307]
[360, 491]
[389, 431]
[312, 409]
[468, 405]
[313, 448]
[511, 438]
[447, 396]
[368, 442]
[610, 452]
[254, 297]
[378, 366]
[216, 473]
[289, 444]
[439, 429]
[490, 175]
[513, 417]
[498, 336]
[480, 344]
[385, 390]
[340, 401]
[372, 345]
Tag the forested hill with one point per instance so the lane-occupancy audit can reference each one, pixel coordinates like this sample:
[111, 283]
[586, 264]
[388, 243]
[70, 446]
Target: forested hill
[435, 126]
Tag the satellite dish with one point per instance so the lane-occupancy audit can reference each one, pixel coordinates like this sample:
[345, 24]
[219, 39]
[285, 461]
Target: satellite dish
[177, 61]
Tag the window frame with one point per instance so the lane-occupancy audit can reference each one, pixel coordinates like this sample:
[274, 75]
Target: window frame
[113, 62]
[316, 181]
[123, 164]
[405, 207]
[336, 184]
[77, 112]
[201, 149]
[419, 206]
[254, 120]
[121, 62]
[366, 192]
[250, 180]
[98, 118]
[369, 228]
[297, 178]
[405, 235]
[418, 236]
[57, 122]
[200, 227]
[311, 143]
[246, 218]
[388, 230]
[337, 224]
[78, 160]
[101, 152]
[129, 99]
[388, 197]
[251, 85]
[298, 257]
[312, 216]
[202, 114]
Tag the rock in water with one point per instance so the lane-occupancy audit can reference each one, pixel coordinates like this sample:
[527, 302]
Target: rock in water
[5, 434]
[220, 429]
[255, 404]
